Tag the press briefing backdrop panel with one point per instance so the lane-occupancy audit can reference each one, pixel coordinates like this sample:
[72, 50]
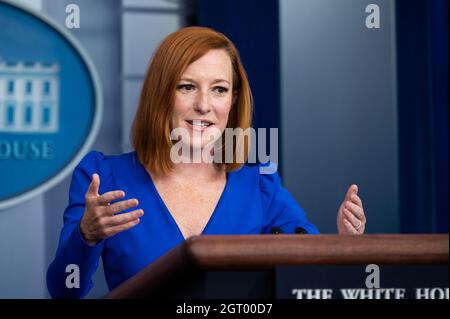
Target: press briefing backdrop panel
[339, 109]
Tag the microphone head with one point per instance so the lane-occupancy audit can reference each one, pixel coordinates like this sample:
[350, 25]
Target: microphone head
[300, 230]
[276, 230]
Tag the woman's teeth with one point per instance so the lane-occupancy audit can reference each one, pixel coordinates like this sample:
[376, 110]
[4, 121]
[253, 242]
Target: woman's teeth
[200, 123]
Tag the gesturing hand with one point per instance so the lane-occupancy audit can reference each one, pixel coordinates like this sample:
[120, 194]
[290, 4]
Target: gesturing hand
[100, 220]
[351, 218]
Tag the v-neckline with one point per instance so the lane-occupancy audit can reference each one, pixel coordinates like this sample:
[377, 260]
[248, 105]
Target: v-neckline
[169, 214]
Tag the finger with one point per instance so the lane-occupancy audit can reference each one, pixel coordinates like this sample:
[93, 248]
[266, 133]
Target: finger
[108, 197]
[352, 218]
[93, 186]
[350, 227]
[121, 219]
[353, 189]
[122, 205]
[355, 199]
[355, 209]
[120, 228]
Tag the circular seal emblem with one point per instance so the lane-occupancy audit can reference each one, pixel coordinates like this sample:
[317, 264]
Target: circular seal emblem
[50, 103]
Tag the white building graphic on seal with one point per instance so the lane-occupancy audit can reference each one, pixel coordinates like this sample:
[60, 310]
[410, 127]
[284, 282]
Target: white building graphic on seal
[29, 97]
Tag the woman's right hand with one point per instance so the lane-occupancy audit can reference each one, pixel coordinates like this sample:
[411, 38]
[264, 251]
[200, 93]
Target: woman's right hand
[100, 220]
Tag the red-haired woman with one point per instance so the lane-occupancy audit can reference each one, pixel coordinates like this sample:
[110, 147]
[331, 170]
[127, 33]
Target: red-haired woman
[195, 82]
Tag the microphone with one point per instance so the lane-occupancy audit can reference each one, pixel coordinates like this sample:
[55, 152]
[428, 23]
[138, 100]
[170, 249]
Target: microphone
[300, 230]
[276, 230]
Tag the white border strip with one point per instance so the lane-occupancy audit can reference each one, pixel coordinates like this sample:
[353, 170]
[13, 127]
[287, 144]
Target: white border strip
[97, 116]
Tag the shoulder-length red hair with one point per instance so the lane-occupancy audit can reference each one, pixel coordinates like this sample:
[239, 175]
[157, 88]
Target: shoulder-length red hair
[151, 128]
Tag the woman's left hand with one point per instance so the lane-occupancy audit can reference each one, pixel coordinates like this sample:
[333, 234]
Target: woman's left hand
[351, 218]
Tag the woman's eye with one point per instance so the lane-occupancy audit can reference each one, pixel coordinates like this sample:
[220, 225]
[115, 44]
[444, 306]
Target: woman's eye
[185, 87]
[220, 89]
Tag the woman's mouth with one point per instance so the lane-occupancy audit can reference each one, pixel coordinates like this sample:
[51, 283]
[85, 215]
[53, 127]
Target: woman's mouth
[199, 125]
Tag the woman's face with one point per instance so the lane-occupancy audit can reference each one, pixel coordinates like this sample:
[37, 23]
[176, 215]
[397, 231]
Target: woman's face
[203, 98]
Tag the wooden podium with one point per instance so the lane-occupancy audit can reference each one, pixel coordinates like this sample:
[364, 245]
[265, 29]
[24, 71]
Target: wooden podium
[243, 266]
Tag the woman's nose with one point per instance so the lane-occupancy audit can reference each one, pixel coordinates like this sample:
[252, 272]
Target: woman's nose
[202, 104]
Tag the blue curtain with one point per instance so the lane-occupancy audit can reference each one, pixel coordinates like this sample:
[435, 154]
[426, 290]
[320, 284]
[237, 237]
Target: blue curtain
[422, 70]
[439, 60]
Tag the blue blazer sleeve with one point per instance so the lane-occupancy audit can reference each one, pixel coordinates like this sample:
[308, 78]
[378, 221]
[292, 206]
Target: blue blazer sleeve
[72, 248]
[279, 207]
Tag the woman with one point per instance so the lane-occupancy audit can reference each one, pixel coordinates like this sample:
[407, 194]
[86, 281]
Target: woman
[195, 82]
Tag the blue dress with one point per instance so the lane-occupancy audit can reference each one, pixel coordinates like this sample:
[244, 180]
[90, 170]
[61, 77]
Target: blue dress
[251, 203]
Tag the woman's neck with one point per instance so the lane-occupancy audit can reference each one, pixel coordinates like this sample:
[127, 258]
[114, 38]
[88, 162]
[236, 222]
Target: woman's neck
[200, 172]
[201, 168]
